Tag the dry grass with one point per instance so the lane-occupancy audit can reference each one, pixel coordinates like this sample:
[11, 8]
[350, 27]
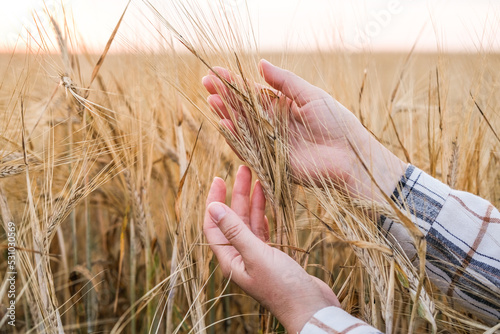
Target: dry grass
[104, 169]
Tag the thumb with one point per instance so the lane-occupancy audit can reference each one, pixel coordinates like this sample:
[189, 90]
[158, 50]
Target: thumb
[290, 84]
[235, 230]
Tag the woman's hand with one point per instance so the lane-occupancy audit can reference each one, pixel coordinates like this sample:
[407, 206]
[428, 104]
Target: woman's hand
[238, 236]
[323, 134]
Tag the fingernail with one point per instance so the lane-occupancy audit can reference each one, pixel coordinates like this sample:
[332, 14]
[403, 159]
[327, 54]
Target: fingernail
[217, 211]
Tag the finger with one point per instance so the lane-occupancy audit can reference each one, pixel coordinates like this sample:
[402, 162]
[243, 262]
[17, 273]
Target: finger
[293, 86]
[236, 79]
[267, 95]
[215, 86]
[219, 244]
[225, 74]
[217, 193]
[240, 200]
[228, 127]
[236, 233]
[215, 237]
[258, 220]
[217, 105]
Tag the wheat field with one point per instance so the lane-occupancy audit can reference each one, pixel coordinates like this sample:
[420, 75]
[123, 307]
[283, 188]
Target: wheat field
[104, 171]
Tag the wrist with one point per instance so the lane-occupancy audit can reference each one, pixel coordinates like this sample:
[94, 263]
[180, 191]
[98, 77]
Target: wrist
[302, 298]
[384, 169]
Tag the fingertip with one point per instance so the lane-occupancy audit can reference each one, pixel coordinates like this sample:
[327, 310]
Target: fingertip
[216, 70]
[210, 83]
[258, 186]
[214, 100]
[217, 192]
[218, 106]
[223, 72]
[206, 80]
[263, 66]
[258, 197]
[219, 181]
[259, 66]
[219, 186]
[258, 190]
[241, 190]
[265, 62]
[243, 169]
[272, 74]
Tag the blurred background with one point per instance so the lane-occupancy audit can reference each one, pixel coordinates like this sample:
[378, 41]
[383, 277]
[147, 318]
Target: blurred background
[357, 25]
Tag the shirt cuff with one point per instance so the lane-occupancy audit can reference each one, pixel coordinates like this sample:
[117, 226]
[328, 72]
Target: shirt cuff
[335, 320]
[423, 197]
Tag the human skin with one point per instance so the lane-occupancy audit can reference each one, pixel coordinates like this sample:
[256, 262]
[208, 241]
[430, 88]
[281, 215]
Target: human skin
[324, 134]
[329, 143]
[270, 276]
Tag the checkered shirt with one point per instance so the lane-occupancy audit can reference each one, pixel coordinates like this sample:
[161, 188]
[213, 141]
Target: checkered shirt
[463, 250]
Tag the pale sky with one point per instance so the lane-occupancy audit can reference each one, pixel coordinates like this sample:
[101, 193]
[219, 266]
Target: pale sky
[377, 25]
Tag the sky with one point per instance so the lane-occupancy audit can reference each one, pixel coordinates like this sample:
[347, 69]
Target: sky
[359, 25]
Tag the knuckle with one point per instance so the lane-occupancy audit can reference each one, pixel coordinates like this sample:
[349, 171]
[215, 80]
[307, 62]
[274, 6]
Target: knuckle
[240, 193]
[233, 232]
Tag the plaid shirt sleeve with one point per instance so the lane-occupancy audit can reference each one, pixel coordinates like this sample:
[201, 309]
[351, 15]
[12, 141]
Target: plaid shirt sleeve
[463, 241]
[463, 250]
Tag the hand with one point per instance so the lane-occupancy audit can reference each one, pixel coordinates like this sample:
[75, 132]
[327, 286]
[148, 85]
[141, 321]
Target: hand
[238, 238]
[323, 134]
